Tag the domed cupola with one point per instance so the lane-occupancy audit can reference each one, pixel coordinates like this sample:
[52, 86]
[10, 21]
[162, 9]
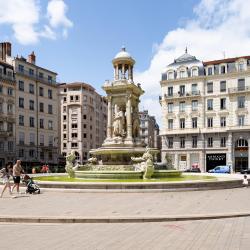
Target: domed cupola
[123, 66]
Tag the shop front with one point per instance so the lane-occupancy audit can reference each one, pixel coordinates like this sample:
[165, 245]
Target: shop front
[241, 155]
[214, 160]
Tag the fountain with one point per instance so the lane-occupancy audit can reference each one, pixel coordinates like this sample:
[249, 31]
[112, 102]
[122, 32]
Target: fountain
[123, 155]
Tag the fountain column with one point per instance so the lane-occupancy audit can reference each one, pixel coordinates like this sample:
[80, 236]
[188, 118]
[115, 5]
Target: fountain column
[129, 118]
[109, 130]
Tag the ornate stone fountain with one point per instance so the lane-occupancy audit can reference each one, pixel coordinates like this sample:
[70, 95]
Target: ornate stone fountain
[123, 148]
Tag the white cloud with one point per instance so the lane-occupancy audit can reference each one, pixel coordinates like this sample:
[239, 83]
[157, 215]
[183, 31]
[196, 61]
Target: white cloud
[219, 26]
[24, 17]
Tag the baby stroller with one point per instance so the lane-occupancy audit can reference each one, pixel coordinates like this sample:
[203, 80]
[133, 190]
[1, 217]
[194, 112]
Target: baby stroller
[32, 187]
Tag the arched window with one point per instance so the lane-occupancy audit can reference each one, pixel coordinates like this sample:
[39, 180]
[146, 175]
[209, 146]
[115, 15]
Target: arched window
[170, 75]
[241, 143]
[195, 72]
[182, 74]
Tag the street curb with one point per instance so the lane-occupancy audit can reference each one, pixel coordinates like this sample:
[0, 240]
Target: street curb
[129, 219]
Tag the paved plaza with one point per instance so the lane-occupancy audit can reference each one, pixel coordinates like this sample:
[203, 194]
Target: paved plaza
[231, 233]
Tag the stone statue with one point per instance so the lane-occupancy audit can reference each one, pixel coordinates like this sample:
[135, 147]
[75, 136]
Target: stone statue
[118, 123]
[146, 164]
[92, 161]
[70, 164]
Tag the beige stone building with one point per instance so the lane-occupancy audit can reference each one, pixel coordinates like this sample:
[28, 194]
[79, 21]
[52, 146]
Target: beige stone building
[36, 101]
[7, 112]
[83, 119]
[205, 112]
[149, 129]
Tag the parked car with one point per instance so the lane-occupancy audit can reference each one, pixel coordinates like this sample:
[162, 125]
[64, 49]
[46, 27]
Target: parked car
[193, 170]
[220, 169]
[245, 171]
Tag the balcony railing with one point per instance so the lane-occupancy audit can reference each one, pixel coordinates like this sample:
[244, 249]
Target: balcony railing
[239, 89]
[7, 77]
[37, 77]
[181, 95]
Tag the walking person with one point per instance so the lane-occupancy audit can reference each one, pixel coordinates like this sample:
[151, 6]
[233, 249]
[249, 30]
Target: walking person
[17, 171]
[5, 174]
[245, 181]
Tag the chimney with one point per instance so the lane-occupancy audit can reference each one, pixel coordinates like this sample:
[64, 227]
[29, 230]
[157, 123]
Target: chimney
[5, 50]
[32, 58]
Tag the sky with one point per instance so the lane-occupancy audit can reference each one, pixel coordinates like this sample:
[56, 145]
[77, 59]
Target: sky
[78, 39]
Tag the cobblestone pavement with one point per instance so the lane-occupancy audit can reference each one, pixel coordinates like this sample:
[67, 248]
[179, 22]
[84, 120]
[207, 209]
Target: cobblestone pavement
[59, 203]
[229, 234]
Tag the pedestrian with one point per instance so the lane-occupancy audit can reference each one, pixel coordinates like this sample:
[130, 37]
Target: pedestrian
[245, 181]
[5, 174]
[17, 171]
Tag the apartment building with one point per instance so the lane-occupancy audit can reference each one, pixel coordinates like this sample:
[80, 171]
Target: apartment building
[205, 112]
[36, 110]
[83, 119]
[7, 112]
[149, 129]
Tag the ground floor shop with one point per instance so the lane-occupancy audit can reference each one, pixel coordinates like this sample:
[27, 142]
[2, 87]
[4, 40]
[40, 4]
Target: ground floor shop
[236, 154]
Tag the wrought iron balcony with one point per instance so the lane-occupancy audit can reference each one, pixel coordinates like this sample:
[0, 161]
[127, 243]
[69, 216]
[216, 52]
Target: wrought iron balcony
[239, 90]
[182, 95]
[7, 77]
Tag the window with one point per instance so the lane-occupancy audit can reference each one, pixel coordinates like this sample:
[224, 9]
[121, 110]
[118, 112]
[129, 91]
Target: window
[241, 84]
[10, 146]
[170, 75]
[21, 138]
[21, 152]
[40, 91]
[182, 73]
[64, 90]
[241, 66]
[194, 72]
[50, 125]
[21, 102]
[42, 155]
[194, 122]
[210, 122]
[31, 88]
[210, 71]
[50, 109]
[32, 122]
[32, 105]
[1, 126]
[64, 117]
[223, 121]
[10, 127]
[9, 108]
[74, 145]
[182, 142]
[20, 68]
[77, 98]
[182, 90]
[241, 101]
[241, 120]
[31, 153]
[41, 107]
[74, 135]
[1, 89]
[223, 103]
[10, 91]
[64, 109]
[50, 79]
[223, 142]
[210, 104]
[64, 126]
[223, 85]
[51, 140]
[64, 145]
[84, 117]
[170, 107]
[21, 120]
[84, 135]
[21, 85]
[32, 139]
[50, 96]
[194, 89]
[74, 125]
[31, 72]
[170, 142]
[194, 105]
[41, 123]
[170, 91]
[40, 75]
[64, 99]
[64, 136]
[223, 69]
[182, 106]
[182, 123]
[41, 140]
[194, 141]
[170, 123]
[71, 98]
[142, 123]
[210, 142]
[210, 87]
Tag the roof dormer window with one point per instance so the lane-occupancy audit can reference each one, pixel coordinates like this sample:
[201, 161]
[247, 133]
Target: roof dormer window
[223, 69]
[194, 72]
[182, 74]
[210, 71]
[240, 66]
[170, 75]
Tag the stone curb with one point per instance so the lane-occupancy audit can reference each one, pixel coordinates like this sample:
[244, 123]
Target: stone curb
[128, 219]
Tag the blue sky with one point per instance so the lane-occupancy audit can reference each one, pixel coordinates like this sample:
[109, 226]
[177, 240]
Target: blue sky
[78, 39]
[99, 30]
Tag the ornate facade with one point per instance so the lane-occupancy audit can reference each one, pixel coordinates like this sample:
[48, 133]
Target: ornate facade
[205, 112]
